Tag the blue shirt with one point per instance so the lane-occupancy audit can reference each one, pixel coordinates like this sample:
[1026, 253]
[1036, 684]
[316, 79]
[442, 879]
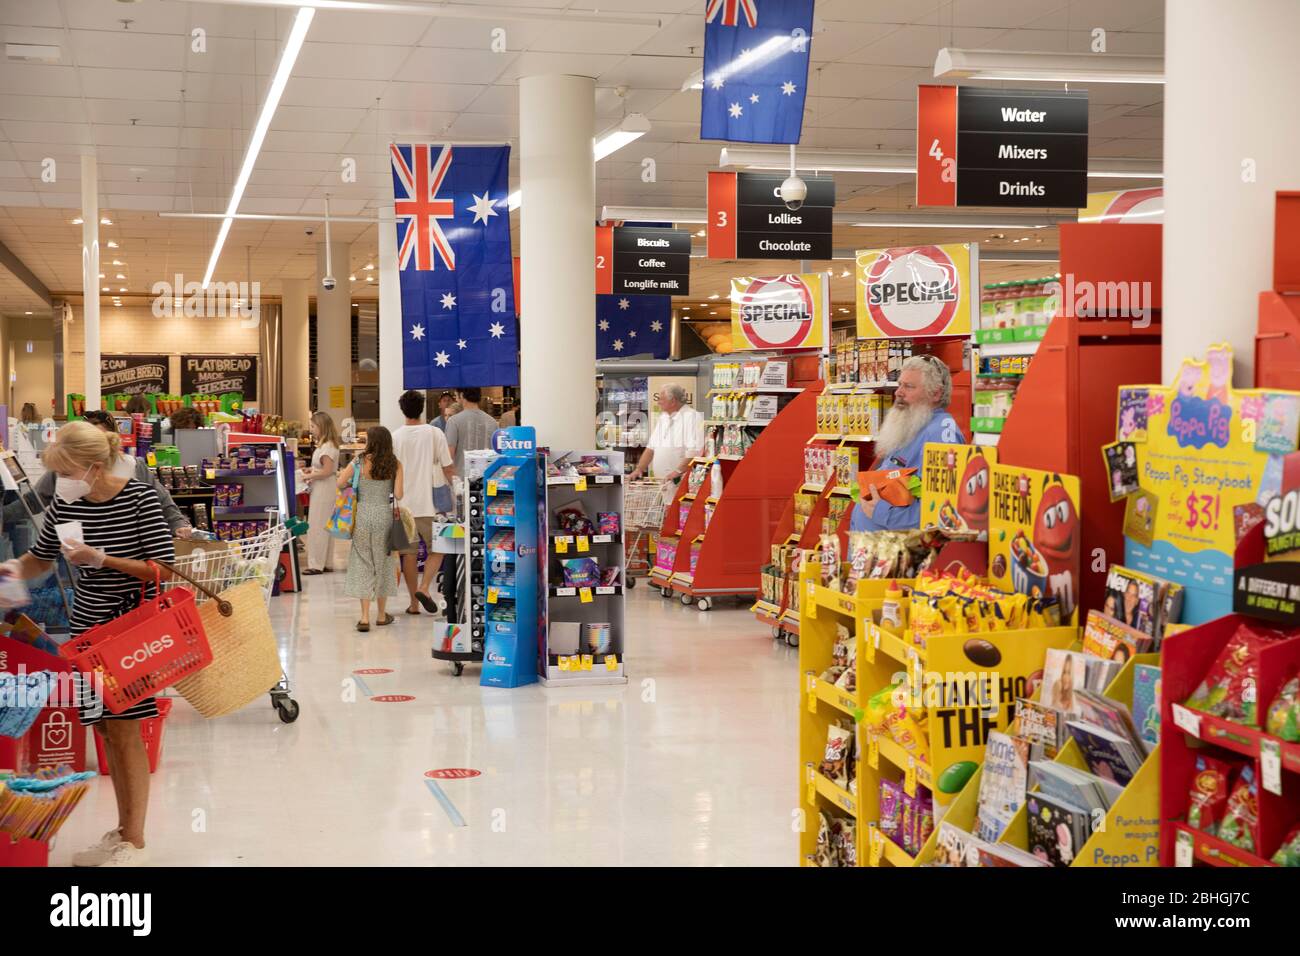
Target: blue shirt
[942, 427]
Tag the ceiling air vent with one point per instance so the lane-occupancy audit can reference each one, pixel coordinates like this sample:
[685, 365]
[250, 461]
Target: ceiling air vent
[33, 52]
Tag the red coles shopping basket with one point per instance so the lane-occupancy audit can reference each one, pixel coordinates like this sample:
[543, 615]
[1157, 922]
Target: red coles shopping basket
[144, 651]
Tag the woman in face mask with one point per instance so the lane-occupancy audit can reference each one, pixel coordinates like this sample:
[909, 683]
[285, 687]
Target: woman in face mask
[112, 526]
[126, 467]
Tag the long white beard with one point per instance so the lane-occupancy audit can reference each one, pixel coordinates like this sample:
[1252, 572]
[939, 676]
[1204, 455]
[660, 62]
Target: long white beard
[900, 427]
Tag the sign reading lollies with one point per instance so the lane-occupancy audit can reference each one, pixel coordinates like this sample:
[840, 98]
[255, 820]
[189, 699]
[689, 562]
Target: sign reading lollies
[955, 483]
[918, 291]
[1034, 535]
[780, 312]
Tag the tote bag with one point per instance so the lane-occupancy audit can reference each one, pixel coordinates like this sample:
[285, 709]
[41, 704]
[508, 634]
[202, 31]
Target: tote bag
[345, 507]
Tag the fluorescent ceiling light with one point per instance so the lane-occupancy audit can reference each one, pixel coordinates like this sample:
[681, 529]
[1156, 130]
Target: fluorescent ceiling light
[33, 52]
[653, 214]
[848, 161]
[633, 127]
[459, 11]
[297, 34]
[957, 64]
[112, 245]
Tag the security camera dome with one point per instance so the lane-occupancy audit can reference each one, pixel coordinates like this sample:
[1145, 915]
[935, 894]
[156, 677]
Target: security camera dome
[794, 191]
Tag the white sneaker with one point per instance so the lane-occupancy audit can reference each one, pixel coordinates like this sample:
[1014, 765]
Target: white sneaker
[100, 852]
[127, 854]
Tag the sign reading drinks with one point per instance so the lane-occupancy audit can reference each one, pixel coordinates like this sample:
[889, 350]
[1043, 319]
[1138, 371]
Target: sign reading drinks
[918, 291]
[132, 374]
[780, 312]
[218, 374]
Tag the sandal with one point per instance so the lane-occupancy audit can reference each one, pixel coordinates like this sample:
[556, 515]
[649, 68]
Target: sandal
[363, 626]
[385, 621]
[413, 610]
[313, 571]
[426, 602]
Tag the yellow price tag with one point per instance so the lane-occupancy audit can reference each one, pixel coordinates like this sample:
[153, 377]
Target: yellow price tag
[561, 545]
[492, 489]
[210, 474]
[869, 645]
[152, 460]
[909, 777]
[583, 544]
[580, 484]
[812, 794]
[812, 702]
[587, 661]
[876, 845]
[584, 595]
[873, 752]
[611, 662]
[492, 595]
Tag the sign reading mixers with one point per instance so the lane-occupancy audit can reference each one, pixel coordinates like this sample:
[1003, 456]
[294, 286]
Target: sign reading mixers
[918, 291]
[780, 312]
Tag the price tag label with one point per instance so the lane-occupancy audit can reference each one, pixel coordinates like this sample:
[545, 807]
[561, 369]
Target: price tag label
[1270, 761]
[492, 488]
[611, 662]
[604, 479]
[1187, 720]
[871, 643]
[909, 777]
[580, 484]
[561, 545]
[492, 595]
[152, 460]
[584, 544]
[873, 752]
[584, 594]
[876, 845]
[812, 795]
[587, 661]
[812, 700]
[812, 589]
[1184, 849]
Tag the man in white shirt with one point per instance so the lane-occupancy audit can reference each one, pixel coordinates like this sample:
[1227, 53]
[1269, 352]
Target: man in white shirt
[426, 464]
[678, 436]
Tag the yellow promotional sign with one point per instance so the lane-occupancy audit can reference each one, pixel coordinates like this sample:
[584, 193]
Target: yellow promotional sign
[1034, 534]
[781, 312]
[918, 291]
[1211, 457]
[1125, 205]
[337, 394]
[955, 482]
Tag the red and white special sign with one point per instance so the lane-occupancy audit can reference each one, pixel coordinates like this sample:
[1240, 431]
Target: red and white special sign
[453, 773]
[779, 312]
[917, 291]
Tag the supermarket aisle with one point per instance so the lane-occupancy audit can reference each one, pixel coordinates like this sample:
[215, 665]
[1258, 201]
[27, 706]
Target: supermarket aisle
[691, 768]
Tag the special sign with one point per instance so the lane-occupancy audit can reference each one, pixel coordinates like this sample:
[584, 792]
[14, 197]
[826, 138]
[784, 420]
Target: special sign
[917, 291]
[780, 312]
[1034, 534]
[218, 374]
[955, 485]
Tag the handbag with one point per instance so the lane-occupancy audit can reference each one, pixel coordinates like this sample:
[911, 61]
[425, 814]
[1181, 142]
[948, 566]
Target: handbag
[443, 501]
[402, 532]
[343, 518]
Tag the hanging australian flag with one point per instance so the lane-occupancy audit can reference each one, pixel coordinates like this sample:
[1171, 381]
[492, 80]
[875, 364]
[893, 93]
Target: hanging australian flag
[633, 325]
[755, 69]
[453, 257]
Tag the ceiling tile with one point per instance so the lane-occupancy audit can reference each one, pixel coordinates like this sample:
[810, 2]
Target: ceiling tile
[453, 66]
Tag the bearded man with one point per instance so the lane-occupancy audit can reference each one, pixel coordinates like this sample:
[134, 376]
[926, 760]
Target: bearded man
[919, 416]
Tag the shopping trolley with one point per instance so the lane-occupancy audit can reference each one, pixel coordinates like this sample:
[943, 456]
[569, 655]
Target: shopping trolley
[248, 559]
[643, 515]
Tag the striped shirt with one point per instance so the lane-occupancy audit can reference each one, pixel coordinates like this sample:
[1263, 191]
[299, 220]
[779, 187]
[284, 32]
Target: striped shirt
[128, 525]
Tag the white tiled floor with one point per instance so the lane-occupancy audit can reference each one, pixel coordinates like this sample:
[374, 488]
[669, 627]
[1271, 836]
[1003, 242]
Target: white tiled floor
[691, 763]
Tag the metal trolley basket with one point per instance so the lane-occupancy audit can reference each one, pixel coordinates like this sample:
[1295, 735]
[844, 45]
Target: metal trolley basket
[255, 558]
[643, 515]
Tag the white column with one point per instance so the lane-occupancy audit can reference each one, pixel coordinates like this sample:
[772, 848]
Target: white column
[1231, 80]
[294, 353]
[334, 334]
[557, 252]
[90, 277]
[390, 322]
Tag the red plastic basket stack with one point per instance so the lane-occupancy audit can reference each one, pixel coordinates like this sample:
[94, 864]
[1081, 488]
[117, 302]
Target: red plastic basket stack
[144, 651]
[151, 732]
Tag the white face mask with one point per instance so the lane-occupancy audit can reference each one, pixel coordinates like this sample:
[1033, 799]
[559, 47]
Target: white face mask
[72, 489]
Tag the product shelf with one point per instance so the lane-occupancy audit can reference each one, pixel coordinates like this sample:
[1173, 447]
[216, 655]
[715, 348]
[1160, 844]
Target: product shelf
[498, 555]
[901, 759]
[500, 592]
[1210, 849]
[1008, 348]
[754, 390]
[836, 794]
[748, 423]
[596, 590]
[575, 541]
[500, 521]
[841, 700]
[1239, 738]
[586, 480]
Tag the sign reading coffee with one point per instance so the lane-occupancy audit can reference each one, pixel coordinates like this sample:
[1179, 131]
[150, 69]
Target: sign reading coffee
[989, 147]
[642, 260]
[748, 219]
[132, 374]
[218, 374]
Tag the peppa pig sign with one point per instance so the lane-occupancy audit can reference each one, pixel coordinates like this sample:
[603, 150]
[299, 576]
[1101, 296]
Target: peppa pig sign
[1210, 457]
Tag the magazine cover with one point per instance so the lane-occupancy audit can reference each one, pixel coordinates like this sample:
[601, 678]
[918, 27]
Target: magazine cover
[1131, 598]
[1132, 424]
[1108, 638]
[1057, 830]
[1146, 702]
[1002, 784]
[1063, 673]
[1041, 725]
[1121, 469]
[956, 847]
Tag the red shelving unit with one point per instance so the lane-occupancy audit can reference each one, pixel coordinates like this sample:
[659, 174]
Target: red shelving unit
[1277, 338]
[1066, 407]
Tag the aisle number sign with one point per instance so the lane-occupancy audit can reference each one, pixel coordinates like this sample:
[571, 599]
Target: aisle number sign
[780, 312]
[1034, 534]
[955, 482]
[916, 291]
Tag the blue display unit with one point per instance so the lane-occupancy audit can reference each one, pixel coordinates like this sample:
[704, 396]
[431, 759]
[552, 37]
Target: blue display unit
[503, 559]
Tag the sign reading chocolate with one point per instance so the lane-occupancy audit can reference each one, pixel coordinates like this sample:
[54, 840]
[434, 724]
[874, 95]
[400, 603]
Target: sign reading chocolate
[1034, 534]
[955, 486]
[748, 219]
[917, 291]
[780, 312]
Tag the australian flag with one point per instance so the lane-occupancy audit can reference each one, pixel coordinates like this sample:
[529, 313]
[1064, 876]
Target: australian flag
[453, 256]
[755, 69]
[633, 325]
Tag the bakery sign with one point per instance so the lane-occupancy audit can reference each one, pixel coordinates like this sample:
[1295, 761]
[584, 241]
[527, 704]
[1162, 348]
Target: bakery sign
[132, 374]
[780, 312]
[917, 291]
[218, 374]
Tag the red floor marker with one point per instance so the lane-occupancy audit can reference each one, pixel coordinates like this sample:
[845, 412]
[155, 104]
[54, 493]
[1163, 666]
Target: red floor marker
[453, 773]
[393, 698]
[374, 670]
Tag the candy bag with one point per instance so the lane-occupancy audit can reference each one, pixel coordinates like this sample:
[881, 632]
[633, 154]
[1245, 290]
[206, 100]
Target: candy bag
[878, 706]
[907, 733]
[1238, 826]
[1284, 713]
[830, 561]
[1229, 689]
[825, 855]
[848, 842]
[891, 809]
[835, 762]
[1209, 794]
[840, 651]
[1288, 854]
[848, 680]
[861, 552]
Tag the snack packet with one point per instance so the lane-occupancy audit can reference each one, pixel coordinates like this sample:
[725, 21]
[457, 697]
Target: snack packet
[1288, 854]
[1209, 794]
[907, 733]
[835, 761]
[839, 655]
[847, 842]
[848, 680]
[825, 855]
[861, 556]
[1229, 690]
[1242, 813]
[1283, 718]
[829, 556]
[878, 706]
[891, 809]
